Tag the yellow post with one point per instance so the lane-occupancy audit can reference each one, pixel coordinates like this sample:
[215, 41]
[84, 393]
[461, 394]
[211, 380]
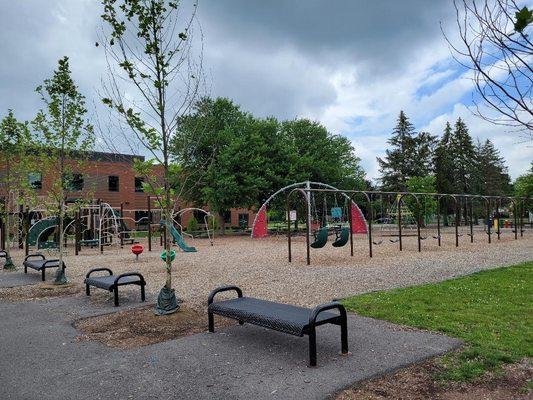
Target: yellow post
[496, 221]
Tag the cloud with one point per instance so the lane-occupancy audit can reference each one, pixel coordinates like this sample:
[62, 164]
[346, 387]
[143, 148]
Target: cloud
[352, 65]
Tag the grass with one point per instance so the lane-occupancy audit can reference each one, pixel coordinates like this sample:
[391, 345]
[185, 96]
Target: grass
[492, 311]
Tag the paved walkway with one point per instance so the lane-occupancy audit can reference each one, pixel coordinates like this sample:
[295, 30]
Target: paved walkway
[41, 359]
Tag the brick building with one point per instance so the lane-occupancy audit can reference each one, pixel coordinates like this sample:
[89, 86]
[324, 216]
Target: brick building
[111, 178]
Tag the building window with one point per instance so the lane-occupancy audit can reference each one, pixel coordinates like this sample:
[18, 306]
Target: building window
[226, 215]
[35, 180]
[113, 183]
[73, 182]
[139, 185]
[243, 220]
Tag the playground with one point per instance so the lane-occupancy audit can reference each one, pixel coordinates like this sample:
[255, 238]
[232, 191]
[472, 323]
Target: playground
[260, 266]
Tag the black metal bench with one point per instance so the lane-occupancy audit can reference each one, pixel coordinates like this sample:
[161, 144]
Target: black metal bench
[38, 262]
[298, 321]
[112, 282]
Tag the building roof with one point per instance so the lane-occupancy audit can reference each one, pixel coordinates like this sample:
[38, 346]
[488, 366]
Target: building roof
[112, 157]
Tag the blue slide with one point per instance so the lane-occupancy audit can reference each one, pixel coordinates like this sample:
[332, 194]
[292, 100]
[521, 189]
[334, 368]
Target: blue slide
[178, 239]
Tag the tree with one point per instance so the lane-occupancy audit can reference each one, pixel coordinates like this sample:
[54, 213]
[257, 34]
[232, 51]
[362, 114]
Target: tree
[523, 185]
[443, 162]
[397, 166]
[464, 158]
[248, 158]
[426, 205]
[411, 155]
[14, 145]
[491, 176]
[151, 43]
[424, 150]
[495, 45]
[65, 135]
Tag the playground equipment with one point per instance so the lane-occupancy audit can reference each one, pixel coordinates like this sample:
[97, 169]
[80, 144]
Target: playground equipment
[260, 224]
[172, 255]
[177, 238]
[207, 215]
[137, 249]
[417, 201]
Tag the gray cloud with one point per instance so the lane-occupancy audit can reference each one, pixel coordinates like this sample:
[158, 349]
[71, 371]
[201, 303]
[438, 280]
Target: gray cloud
[352, 64]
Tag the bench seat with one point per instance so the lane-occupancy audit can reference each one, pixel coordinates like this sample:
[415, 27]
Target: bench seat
[112, 282]
[268, 314]
[107, 282]
[38, 262]
[298, 321]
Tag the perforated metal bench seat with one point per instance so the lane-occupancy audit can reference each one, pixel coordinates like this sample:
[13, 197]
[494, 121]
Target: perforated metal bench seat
[298, 321]
[112, 282]
[39, 262]
[268, 314]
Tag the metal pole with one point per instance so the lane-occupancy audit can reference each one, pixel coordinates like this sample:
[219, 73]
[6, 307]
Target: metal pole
[471, 220]
[488, 220]
[289, 229]
[122, 220]
[515, 217]
[20, 226]
[398, 201]
[150, 224]
[370, 217]
[101, 214]
[308, 220]
[498, 205]
[457, 222]
[350, 226]
[438, 220]
[418, 225]
[27, 232]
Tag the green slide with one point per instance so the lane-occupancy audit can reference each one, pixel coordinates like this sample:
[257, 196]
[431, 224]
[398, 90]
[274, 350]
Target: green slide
[178, 239]
[42, 231]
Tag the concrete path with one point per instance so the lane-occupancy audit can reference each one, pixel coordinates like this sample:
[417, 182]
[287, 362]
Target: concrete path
[41, 359]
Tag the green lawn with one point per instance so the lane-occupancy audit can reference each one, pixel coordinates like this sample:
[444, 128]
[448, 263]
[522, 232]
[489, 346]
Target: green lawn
[492, 311]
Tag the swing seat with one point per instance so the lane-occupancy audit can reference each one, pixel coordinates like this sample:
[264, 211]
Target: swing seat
[394, 240]
[321, 238]
[342, 238]
[436, 237]
[377, 243]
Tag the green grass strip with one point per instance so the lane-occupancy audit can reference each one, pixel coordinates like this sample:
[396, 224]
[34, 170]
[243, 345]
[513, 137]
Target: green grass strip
[492, 311]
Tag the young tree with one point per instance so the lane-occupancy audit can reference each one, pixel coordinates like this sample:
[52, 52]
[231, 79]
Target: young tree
[151, 44]
[65, 134]
[14, 159]
[495, 44]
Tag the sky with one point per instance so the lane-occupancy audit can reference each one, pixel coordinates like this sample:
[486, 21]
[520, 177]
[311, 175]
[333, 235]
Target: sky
[350, 64]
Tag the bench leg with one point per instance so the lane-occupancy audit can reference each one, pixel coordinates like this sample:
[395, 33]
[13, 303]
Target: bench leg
[312, 348]
[344, 337]
[143, 295]
[211, 322]
[43, 274]
[115, 291]
[87, 290]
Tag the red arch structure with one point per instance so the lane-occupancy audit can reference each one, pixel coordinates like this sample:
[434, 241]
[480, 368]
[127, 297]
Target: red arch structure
[260, 225]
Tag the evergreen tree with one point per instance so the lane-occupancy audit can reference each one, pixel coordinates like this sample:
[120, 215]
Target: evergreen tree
[398, 165]
[424, 150]
[491, 177]
[442, 162]
[463, 154]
